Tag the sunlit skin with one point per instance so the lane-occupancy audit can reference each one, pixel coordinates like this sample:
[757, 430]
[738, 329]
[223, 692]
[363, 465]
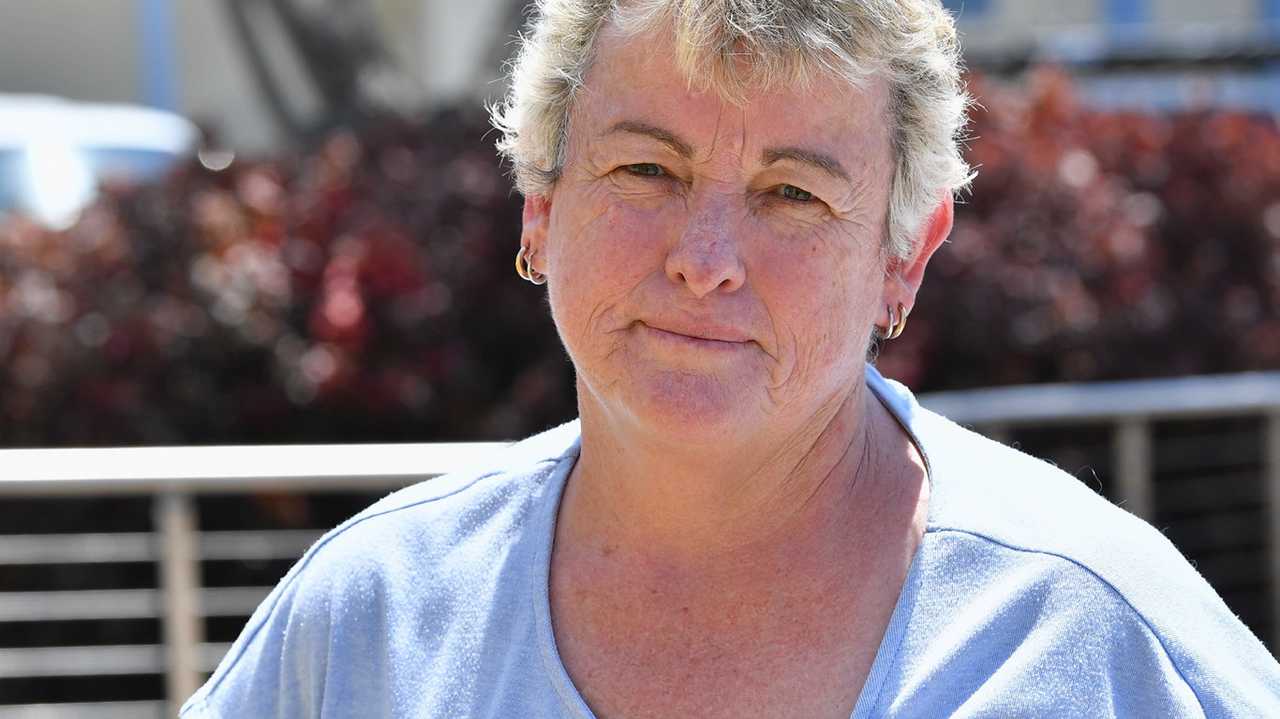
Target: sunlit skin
[717, 306]
[715, 271]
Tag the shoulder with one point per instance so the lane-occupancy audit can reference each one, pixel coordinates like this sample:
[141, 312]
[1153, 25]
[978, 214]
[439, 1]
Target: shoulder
[409, 563]
[462, 505]
[996, 492]
[1053, 536]
[436, 520]
[999, 492]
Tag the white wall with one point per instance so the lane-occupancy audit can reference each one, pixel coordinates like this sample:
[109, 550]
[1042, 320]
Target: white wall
[80, 48]
[89, 49]
[1013, 24]
[1230, 13]
[214, 81]
[461, 34]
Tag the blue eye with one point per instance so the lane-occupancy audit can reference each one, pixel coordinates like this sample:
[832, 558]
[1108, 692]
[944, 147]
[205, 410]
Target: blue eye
[646, 169]
[791, 192]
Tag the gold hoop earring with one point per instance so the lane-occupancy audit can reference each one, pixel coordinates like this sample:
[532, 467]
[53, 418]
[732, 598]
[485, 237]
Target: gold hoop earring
[897, 322]
[901, 324]
[887, 332]
[524, 267]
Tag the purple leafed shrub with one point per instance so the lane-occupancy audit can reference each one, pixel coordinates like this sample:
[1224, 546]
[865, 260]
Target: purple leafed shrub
[365, 291]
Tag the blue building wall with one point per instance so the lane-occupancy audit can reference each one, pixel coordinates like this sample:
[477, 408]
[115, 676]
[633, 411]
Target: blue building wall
[1270, 10]
[157, 57]
[1126, 12]
[970, 8]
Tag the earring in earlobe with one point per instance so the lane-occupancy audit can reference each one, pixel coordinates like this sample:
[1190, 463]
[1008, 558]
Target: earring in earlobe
[901, 324]
[886, 332]
[897, 322]
[524, 267]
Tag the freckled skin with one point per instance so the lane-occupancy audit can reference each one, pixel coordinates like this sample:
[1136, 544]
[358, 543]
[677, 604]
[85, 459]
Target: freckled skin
[739, 523]
[714, 239]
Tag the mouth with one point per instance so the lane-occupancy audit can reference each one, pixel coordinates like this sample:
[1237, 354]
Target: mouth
[716, 339]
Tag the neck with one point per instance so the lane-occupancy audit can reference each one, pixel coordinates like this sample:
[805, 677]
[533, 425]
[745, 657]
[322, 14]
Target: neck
[663, 501]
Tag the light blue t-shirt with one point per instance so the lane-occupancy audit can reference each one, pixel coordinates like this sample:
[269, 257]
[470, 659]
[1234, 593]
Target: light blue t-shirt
[1029, 596]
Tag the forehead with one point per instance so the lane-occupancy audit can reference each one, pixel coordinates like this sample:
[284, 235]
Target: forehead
[634, 77]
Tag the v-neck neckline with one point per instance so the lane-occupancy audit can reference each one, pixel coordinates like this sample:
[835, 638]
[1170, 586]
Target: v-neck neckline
[886, 653]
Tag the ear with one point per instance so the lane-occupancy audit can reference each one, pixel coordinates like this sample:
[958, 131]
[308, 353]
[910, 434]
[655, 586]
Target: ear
[536, 224]
[907, 273]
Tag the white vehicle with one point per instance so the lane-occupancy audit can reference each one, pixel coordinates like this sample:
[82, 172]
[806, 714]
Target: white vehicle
[55, 152]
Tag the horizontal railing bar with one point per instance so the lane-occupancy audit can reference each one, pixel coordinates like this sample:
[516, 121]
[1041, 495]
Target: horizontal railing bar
[1156, 399]
[81, 661]
[121, 604]
[117, 660]
[82, 710]
[257, 545]
[103, 547]
[232, 601]
[88, 604]
[141, 470]
[89, 548]
[146, 470]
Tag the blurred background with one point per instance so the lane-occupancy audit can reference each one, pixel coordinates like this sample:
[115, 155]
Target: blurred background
[247, 222]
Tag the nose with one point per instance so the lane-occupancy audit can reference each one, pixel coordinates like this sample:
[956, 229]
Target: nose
[705, 258]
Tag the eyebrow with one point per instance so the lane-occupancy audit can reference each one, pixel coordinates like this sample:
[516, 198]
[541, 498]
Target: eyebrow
[826, 163]
[678, 146]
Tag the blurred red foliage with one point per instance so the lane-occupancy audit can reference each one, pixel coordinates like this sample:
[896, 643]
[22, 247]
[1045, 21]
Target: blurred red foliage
[1102, 245]
[362, 292]
[365, 291]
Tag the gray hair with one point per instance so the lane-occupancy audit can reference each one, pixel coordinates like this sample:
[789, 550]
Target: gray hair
[911, 43]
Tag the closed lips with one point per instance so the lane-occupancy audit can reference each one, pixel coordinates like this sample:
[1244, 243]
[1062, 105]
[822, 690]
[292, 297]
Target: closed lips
[706, 334]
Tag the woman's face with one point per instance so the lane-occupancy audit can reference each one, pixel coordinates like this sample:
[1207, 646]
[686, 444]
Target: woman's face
[715, 270]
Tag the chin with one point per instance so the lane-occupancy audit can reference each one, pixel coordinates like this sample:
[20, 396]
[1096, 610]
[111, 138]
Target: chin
[688, 408]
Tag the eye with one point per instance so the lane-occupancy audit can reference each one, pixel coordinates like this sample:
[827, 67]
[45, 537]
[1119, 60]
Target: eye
[791, 192]
[645, 169]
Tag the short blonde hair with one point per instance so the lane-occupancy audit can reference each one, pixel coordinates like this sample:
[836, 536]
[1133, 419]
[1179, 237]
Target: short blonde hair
[911, 43]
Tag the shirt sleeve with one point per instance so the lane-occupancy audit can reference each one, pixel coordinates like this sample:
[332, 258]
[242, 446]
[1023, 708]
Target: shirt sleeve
[1228, 668]
[277, 665]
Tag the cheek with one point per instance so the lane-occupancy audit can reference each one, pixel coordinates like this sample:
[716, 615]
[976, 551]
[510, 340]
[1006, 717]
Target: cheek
[597, 260]
[624, 238]
[824, 298]
[602, 225]
[808, 275]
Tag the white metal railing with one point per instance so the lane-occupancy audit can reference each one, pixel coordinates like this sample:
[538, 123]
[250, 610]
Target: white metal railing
[174, 476]
[1131, 408]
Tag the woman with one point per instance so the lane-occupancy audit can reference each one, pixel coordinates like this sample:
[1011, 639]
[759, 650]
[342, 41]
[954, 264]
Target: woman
[727, 202]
